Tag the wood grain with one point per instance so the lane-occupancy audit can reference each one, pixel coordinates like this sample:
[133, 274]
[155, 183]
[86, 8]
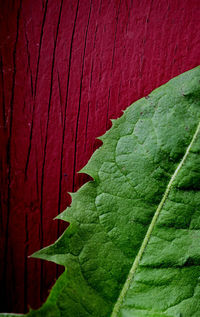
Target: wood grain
[66, 68]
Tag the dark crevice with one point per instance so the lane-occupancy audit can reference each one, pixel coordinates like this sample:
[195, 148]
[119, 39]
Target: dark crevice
[100, 6]
[9, 155]
[145, 38]
[24, 107]
[93, 58]
[40, 46]
[37, 175]
[60, 96]
[64, 124]
[88, 108]
[29, 63]
[129, 13]
[29, 148]
[35, 90]
[25, 263]
[91, 73]
[117, 18]
[45, 148]
[13, 276]
[107, 116]
[3, 95]
[100, 71]
[1, 212]
[79, 105]
[95, 36]
[119, 93]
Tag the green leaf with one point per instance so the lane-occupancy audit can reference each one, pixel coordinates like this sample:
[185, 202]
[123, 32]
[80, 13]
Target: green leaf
[133, 244]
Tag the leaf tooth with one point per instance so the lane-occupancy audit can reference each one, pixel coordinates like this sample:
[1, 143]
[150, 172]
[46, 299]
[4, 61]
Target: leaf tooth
[57, 252]
[65, 216]
[101, 137]
[89, 170]
[43, 254]
[113, 120]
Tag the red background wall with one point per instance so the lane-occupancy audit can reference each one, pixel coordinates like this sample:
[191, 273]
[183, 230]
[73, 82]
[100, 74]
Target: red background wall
[66, 68]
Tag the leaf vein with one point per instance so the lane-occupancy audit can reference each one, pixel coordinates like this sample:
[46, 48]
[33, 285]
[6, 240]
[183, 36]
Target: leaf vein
[150, 229]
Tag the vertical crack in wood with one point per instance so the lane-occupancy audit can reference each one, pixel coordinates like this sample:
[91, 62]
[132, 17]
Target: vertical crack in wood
[100, 6]
[35, 90]
[117, 19]
[129, 13]
[144, 39]
[60, 96]
[107, 114]
[29, 63]
[94, 44]
[3, 95]
[112, 65]
[40, 46]
[1, 203]
[25, 263]
[79, 104]
[45, 148]
[64, 122]
[4, 295]
[86, 129]
[91, 73]
[37, 175]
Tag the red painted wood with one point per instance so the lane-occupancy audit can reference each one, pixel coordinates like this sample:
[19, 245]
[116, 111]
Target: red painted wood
[67, 67]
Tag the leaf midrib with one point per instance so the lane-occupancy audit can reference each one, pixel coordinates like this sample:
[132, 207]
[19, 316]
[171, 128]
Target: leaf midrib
[150, 229]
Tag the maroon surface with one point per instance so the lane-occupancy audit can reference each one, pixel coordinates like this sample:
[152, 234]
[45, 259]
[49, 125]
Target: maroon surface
[66, 68]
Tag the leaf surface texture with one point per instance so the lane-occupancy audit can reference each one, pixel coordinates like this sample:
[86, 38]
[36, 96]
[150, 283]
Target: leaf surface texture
[133, 244]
